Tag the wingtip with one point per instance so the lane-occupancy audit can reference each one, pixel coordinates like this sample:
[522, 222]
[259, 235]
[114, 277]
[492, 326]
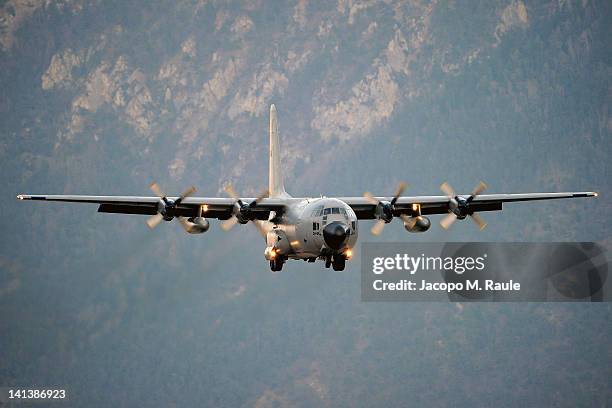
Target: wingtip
[595, 194]
[20, 196]
[272, 107]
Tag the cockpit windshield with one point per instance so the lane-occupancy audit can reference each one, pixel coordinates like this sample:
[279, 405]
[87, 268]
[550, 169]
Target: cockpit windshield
[317, 212]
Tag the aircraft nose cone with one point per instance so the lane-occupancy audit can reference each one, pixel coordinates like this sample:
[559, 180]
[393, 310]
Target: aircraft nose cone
[335, 234]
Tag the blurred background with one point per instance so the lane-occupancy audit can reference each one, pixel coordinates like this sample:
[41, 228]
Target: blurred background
[103, 97]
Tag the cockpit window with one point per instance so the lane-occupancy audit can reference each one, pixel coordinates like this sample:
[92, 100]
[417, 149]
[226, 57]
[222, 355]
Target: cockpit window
[317, 211]
[331, 210]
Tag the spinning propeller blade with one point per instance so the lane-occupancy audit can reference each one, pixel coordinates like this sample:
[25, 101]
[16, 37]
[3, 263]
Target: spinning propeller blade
[261, 227]
[370, 198]
[154, 220]
[385, 208]
[478, 189]
[229, 189]
[447, 189]
[398, 192]
[479, 221]
[165, 204]
[260, 197]
[409, 222]
[185, 194]
[378, 227]
[448, 220]
[157, 190]
[458, 207]
[243, 210]
[229, 223]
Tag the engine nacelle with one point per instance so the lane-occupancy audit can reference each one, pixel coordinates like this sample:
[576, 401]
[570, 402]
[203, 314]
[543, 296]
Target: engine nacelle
[197, 225]
[417, 224]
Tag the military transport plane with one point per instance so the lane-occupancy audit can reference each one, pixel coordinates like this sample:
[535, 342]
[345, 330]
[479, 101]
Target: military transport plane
[322, 228]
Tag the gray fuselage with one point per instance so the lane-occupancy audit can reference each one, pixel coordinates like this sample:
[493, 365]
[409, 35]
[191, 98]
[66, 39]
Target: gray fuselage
[314, 228]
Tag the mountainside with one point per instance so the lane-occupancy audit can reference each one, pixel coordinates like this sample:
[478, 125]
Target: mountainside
[103, 97]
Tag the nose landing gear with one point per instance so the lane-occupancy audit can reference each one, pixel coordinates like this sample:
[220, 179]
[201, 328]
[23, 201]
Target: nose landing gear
[338, 262]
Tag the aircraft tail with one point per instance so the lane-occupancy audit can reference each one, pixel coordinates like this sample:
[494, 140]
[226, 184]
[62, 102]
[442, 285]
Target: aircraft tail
[275, 182]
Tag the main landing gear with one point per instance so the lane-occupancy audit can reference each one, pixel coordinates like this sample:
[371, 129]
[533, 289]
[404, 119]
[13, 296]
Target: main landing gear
[276, 264]
[338, 262]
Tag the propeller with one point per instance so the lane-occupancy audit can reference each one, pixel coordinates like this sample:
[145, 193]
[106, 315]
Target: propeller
[459, 206]
[243, 212]
[165, 204]
[384, 209]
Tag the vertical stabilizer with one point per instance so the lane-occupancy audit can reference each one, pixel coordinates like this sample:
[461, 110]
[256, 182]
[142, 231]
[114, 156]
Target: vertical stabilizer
[275, 186]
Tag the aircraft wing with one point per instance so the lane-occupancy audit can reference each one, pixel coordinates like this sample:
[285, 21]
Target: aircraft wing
[365, 209]
[212, 207]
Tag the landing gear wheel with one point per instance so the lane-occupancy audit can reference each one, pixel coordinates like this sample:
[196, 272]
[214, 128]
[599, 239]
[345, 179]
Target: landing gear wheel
[339, 263]
[328, 262]
[276, 264]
